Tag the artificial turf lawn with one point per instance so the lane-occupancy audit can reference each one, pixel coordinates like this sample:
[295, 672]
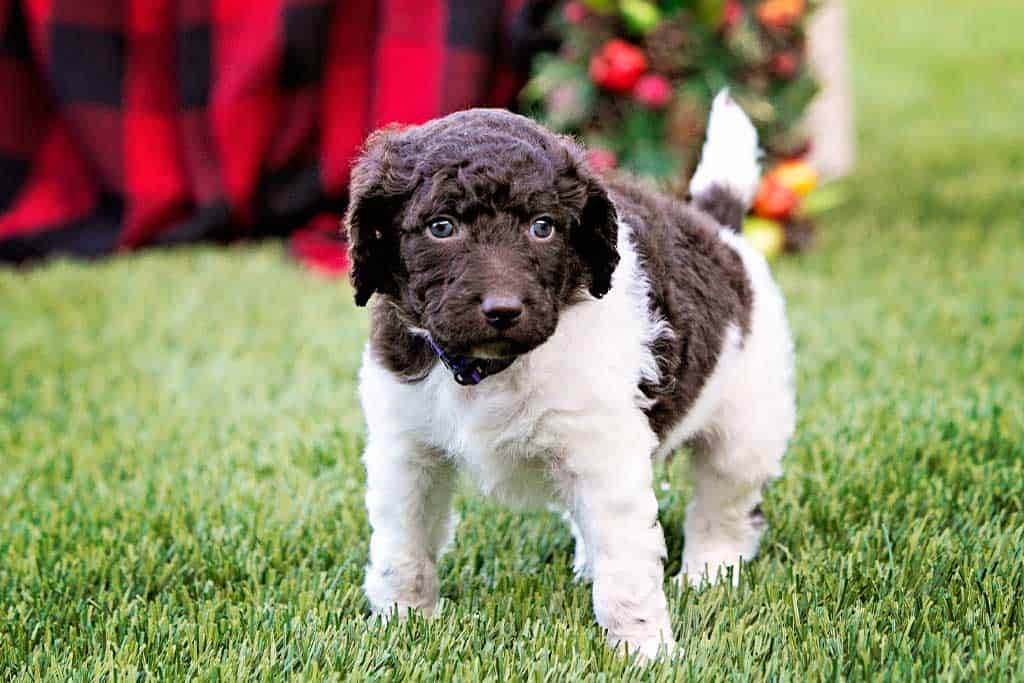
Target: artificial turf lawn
[180, 491]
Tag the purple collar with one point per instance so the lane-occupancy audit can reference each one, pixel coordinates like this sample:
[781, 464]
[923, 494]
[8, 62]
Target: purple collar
[469, 371]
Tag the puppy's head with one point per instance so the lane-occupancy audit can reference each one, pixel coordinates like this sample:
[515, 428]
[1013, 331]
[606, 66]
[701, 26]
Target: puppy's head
[481, 227]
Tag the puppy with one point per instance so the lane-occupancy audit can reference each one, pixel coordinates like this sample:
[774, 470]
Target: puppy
[553, 333]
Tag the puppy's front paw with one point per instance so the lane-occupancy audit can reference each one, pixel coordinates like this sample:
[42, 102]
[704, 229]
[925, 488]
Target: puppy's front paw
[398, 589]
[401, 612]
[645, 648]
[701, 570]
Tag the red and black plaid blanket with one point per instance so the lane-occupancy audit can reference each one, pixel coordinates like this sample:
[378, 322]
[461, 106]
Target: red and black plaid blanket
[126, 123]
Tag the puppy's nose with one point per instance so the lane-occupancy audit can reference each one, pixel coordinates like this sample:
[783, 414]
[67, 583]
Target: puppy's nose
[502, 312]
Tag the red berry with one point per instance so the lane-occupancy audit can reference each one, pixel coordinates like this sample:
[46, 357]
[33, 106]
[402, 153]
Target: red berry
[785, 64]
[653, 91]
[732, 14]
[574, 12]
[601, 160]
[617, 66]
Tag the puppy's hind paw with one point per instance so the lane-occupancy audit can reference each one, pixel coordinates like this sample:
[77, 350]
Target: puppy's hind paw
[646, 649]
[400, 612]
[703, 573]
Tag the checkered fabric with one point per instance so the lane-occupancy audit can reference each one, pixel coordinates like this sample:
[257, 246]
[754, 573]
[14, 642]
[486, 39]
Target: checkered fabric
[127, 123]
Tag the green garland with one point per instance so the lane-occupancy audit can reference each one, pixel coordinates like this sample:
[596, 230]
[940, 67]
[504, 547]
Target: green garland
[635, 78]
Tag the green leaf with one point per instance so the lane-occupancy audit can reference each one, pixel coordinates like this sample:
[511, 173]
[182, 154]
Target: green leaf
[672, 6]
[640, 16]
[549, 72]
[709, 12]
[823, 198]
[642, 147]
[652, 161]
[791, 99]
[601, 6]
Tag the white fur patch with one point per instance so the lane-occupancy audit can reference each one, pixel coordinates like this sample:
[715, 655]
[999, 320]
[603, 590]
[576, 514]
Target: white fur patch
[730, 155]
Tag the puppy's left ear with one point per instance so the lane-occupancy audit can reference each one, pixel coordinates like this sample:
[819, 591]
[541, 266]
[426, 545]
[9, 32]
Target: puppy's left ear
[596, 236]
[378, 190]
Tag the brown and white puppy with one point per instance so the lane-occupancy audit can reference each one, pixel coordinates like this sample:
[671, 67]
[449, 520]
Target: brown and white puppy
[553, 333]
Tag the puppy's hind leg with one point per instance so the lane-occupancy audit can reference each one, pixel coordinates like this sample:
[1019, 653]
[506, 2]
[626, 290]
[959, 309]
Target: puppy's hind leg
[724, 521]
[735, 457]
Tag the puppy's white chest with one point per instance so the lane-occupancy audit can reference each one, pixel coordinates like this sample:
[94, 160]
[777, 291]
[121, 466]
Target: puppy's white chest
[504, 433]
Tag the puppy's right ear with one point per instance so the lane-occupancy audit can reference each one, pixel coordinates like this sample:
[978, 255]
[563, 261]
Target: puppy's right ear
[378, 190]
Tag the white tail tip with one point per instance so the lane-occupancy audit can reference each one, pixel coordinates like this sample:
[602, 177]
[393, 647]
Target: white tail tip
[731, 153]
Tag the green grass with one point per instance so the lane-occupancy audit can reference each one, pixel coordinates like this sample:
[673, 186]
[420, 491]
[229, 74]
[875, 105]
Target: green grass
[181, 496]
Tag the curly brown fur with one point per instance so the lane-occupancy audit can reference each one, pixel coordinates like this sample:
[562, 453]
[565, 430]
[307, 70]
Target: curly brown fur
[697, 284]
[492, 173]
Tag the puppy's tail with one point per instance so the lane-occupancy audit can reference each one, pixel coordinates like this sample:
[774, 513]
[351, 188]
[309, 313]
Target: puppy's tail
[726, 179]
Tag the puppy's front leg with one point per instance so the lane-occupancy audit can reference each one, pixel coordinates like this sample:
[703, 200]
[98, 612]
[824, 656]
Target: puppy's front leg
[408, 496]
[614, 505]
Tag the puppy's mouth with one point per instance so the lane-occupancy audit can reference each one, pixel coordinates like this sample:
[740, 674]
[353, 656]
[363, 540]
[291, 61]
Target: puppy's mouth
[494, 350]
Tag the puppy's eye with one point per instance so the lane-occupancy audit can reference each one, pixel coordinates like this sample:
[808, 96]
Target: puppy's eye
[542, 229]
[441, 228]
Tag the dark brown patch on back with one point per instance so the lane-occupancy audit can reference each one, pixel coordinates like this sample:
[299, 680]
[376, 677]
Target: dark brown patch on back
[698, 285]
[723, 205]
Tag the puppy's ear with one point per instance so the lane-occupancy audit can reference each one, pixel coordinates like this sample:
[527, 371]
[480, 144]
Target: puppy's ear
[378, 190]
[595, 238]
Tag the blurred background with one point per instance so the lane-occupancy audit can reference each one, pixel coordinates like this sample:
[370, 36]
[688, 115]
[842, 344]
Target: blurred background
[138, 123]
[181, 491]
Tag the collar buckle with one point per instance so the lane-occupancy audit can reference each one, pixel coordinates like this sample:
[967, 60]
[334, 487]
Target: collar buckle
[468, 372]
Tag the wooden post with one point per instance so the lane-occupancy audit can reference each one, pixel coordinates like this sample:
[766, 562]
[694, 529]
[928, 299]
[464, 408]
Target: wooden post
[830, 117]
